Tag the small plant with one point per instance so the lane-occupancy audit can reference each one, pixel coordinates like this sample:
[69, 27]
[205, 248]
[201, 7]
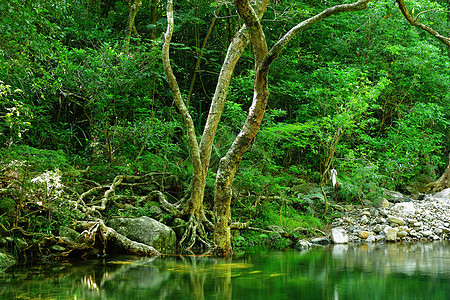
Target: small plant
[48, 187]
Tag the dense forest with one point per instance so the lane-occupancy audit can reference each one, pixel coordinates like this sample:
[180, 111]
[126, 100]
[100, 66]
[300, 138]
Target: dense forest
[98, 121]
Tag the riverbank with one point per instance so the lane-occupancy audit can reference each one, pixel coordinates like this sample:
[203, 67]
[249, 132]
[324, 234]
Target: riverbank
[399, 219]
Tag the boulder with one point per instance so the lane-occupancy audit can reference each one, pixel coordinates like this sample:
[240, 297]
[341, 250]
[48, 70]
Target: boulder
[444, 194]
[364, 234]
[391, 234]
[404, 208]
[338, 236]
[68, 233]
[302, 245]
[396, 220]
[147, 231]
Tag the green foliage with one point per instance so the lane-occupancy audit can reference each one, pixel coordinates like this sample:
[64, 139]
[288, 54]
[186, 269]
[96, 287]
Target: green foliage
[15, 116]
[365, 92]
[363, 183]
[34, 159]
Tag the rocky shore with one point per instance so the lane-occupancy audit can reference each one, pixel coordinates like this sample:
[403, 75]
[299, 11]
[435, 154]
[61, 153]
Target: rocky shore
[397, 219]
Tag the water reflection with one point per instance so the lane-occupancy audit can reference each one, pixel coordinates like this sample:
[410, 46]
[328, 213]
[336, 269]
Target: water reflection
[417, 271]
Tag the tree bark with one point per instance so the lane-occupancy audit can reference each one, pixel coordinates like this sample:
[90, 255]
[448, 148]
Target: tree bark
[153, 18]
[263, 58]
[443, 182]
[414, 22]
[132, 11]
[194, 205]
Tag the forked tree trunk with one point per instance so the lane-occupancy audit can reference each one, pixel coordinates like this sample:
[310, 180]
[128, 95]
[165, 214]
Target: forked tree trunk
[263, 58]
[201, 154]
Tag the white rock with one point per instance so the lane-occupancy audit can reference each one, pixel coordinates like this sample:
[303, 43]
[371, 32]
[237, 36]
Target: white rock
[364, 220]
[444, 194]
[391, 234]
[371, 239]
[426, 232]
[405, 208]
[339, 236]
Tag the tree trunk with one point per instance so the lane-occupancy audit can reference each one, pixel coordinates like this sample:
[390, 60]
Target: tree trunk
[153, 18]
[132, 11]
[443, 182]
[263, 58]
[201, 154]
[194, 206]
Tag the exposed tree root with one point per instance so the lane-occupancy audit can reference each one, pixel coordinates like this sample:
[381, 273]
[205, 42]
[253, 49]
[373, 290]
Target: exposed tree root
[94, 240]
[195, 233]
[119, 240]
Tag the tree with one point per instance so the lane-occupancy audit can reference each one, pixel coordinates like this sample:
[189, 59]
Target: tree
[252, 31]
[442, 182]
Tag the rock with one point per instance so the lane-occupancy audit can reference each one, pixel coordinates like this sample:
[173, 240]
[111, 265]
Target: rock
[68, 233]
[154, 211]
[426, 233]
[405, 208]
[412, 219]
[417, 225]
[339, 236]
[371, 239]
[302, 245]
[392, 195]
[395, 220]
[438, 231]
[378, 228]
[444, 194]
[402, 234]
[363, 234]
[379, 238]
[320, 241]
[391, 234]
[147, 231]
[364, 220]
[445, 229]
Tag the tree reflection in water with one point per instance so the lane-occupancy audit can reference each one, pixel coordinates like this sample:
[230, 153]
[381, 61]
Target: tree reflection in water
[412, 271]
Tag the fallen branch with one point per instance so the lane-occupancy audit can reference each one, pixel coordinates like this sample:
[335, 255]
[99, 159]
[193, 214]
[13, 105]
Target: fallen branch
[119, 240]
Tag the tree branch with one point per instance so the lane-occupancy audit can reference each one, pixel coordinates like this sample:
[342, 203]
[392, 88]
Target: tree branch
[281, 44]
[413, 22]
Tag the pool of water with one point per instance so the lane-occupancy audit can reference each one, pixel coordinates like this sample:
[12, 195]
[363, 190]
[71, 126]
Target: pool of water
[415, 271]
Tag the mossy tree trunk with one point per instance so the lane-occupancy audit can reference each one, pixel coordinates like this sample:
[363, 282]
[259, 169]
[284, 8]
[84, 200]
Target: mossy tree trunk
[263, 58]
[201, 153]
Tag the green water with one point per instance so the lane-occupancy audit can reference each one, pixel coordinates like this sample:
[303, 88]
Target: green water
[417, 271]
